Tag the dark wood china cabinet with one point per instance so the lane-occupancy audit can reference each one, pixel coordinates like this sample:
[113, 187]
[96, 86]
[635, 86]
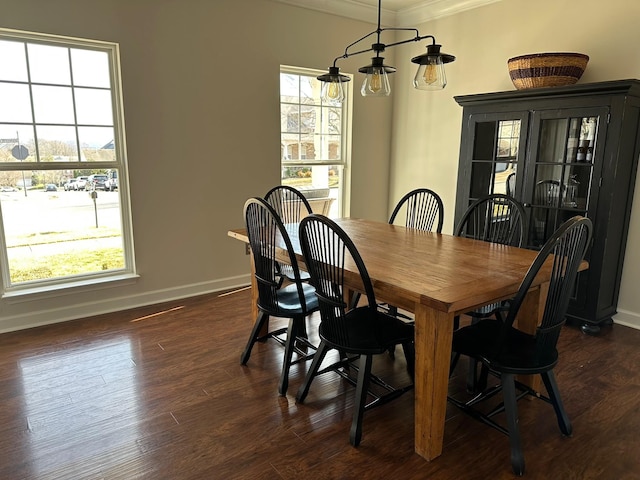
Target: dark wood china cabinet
[561, 151]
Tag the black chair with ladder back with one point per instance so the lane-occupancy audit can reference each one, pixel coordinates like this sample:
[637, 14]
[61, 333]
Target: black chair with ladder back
[295, 300]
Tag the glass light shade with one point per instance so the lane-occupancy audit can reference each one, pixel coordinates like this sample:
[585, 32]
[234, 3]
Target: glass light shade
[332, 92]
[376, 83]
[430, 75]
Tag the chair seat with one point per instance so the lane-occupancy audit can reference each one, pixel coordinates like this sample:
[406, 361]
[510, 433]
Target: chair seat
[517, 354]
[289, 301]
[370, 334]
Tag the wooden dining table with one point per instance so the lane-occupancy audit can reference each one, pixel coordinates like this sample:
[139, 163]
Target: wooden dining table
[437, 277]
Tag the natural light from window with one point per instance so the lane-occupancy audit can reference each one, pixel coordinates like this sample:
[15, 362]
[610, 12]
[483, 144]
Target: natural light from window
[63, 204]
[313, 141]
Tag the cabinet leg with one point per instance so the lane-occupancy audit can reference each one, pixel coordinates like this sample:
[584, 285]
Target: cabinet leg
[590, 329]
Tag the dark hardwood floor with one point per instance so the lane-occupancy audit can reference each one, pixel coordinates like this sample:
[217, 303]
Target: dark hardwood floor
[158, 393]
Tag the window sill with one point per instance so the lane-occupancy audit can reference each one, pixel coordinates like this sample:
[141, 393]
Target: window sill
[69, 288]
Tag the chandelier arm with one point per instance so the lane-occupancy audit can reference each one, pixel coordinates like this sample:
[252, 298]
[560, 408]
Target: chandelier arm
[346, 50]
[416, 39]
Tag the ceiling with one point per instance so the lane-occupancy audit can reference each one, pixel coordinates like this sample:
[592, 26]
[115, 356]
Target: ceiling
[400, 13]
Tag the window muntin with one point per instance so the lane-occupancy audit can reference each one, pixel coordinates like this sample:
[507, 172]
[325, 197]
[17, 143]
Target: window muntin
[62, 110]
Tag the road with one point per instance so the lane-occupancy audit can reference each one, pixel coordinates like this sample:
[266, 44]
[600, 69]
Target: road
[59, 211]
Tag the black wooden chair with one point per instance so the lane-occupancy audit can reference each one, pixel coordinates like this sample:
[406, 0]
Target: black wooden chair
[421, 209]
[295, 300]
[292, 206]
[495, 218]
[510, 184]
[506, 352]
[357, 333]
[547, 197]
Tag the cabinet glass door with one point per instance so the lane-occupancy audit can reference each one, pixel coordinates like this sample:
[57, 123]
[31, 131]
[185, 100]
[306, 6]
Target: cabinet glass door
[496, 154]
[564, 160]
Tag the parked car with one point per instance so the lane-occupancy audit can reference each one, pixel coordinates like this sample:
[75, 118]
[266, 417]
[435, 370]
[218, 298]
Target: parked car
[80, 183]
[50, 187]
[8, 189]
[69, 184]
[97, 181]
[112, 181]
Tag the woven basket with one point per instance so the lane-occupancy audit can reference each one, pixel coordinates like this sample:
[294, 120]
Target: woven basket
[546, 69]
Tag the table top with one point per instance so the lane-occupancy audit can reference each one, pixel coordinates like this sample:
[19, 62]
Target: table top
[443, 272]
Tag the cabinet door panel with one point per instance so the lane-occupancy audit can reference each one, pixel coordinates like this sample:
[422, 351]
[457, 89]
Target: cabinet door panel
[491, 154]
[565, 161]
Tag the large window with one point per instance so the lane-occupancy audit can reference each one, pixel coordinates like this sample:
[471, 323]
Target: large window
[313, 140]
[64, 216]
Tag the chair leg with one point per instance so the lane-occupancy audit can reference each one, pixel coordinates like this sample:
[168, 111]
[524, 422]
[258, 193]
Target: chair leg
[323, 348]
[354, 300]
[410, 355]
[564, 423]
[393, 311]
[362, 388]
[472, 376]
[481, 384]
[292, 335]
[255, 333]
[511, 412]
[455, 356]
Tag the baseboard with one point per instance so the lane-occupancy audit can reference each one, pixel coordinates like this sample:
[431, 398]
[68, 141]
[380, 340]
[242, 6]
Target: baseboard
[628, 319]
[116, 304]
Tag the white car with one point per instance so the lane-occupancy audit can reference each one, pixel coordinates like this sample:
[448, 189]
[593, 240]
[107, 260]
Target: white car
[80, 183]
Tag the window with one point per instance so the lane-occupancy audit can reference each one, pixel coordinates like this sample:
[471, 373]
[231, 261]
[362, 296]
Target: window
[313, 140]
[64, 218]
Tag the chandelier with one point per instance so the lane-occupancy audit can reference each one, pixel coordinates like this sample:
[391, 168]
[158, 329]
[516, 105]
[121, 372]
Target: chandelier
[430, 74]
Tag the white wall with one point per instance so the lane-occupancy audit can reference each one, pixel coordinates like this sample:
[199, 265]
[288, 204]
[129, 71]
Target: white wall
[200, 82]
[201, 103]
[426, 134]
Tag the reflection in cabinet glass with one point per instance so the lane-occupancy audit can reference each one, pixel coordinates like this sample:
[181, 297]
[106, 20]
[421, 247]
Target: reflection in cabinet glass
[562, 174]
[561, 151]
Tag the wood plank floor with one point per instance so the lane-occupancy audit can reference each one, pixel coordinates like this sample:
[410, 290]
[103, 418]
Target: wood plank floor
[158, 393]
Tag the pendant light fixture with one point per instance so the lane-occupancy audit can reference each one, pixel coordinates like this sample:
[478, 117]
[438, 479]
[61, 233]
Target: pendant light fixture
[430, 74]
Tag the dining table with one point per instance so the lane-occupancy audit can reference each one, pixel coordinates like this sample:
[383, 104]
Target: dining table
[436, 277]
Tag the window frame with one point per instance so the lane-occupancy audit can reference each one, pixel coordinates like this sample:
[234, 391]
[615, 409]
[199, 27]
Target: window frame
[343, 163]
[54, 286]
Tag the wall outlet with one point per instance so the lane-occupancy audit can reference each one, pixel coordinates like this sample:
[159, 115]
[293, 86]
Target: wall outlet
[247, 249]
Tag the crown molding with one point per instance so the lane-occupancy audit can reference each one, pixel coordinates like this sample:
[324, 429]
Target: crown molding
[432, 9]
[347, 8]
[405, 17]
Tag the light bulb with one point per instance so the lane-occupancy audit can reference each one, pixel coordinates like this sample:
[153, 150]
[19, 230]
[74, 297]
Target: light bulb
[430, 73]
[333, 92]
[376, 83]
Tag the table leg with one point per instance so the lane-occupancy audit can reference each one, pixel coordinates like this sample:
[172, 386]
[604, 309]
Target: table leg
[528, 319]
[433, 337]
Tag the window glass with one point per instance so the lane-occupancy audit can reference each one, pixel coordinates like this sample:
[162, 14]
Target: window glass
[17, 103]
[49, 64]
[14, 61]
